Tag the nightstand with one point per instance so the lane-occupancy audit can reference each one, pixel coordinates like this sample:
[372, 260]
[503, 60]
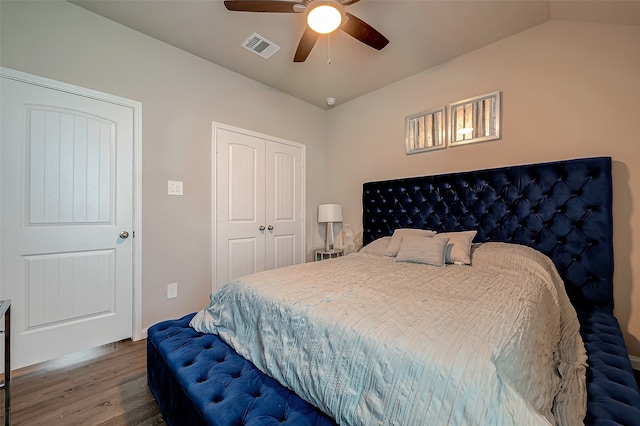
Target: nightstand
[322, 254]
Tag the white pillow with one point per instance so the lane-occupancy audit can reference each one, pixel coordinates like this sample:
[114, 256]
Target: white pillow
[459, 248]
[352, 240]
[376, 247]
[429, 251]
[396, 238]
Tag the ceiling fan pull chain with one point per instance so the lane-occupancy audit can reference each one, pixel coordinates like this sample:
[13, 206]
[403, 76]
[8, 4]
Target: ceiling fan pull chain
[329, 48]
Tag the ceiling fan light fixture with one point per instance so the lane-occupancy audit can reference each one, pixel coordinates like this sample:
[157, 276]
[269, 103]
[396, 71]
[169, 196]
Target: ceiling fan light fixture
[325, 17]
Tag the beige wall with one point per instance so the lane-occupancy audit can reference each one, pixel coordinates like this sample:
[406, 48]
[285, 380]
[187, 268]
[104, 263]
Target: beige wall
[181, 96]
[569, 90]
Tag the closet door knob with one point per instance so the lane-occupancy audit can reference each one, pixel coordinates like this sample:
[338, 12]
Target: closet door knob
[124, 235]
[270, 228]
[261, 227]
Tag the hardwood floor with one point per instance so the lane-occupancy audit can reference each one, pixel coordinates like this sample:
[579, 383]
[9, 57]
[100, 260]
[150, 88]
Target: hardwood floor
[105, 386]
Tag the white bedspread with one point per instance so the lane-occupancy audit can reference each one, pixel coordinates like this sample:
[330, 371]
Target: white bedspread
[372, 341]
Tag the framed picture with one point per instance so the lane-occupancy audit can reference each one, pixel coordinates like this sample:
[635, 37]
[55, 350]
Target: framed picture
[425, 131]
[475, 119]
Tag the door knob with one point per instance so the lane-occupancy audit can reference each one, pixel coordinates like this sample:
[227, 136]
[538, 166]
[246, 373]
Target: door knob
[124, 235]
[270, 228]
[261, 227]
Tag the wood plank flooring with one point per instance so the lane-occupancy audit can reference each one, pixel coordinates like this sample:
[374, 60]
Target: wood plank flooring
[106, 386]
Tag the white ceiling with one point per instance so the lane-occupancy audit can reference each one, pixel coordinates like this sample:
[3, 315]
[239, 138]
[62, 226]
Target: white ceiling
[422, 34]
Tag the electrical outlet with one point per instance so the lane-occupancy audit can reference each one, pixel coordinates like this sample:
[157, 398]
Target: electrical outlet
[172, 290]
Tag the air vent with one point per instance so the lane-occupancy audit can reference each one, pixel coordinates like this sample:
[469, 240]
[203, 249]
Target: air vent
[260, 46]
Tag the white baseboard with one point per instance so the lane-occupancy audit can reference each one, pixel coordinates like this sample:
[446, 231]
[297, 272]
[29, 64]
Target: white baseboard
[144, 334]
[635, 362]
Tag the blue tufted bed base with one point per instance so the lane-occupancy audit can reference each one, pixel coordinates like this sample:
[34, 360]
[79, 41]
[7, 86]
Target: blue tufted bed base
[562, 209]
[198, 379]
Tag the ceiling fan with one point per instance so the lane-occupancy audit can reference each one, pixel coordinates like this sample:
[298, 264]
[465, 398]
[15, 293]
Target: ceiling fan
[323, 17]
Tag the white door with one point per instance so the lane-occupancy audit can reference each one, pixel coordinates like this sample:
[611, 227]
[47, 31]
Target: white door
[259, 204]
[241, 230]
[283, 209]
[66, 185]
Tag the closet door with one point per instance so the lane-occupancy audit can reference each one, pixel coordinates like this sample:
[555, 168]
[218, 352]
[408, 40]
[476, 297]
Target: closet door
[284, 205]
[240, 206]
[258, 204]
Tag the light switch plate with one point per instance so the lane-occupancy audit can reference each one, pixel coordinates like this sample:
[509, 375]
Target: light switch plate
[172, 290]
[174, 187]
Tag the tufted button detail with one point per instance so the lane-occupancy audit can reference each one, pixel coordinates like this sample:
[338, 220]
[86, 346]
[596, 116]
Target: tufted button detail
[498, 201]
[222, 390]
[566, 197]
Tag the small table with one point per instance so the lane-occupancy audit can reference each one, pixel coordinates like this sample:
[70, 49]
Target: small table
[322, 254]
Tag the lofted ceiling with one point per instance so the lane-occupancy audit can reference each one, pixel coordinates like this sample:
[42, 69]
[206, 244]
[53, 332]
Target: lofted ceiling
[422, 34]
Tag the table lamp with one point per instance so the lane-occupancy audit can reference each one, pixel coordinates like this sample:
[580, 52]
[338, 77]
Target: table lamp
[329, 214]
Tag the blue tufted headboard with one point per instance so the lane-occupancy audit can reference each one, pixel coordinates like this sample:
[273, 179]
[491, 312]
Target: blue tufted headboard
[562, 209]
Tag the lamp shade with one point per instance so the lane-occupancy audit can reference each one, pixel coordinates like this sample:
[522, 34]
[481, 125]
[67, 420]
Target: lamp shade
[329, 213]
[324, 17]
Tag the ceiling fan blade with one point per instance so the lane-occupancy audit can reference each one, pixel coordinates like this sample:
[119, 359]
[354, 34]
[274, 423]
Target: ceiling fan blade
[275, 6]
[307, 41]
[364, 32]
[348, 2]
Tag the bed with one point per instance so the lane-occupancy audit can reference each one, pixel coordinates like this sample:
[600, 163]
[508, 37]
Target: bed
[561, 209]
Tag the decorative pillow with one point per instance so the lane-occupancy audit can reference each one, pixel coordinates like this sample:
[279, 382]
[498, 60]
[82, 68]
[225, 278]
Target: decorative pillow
[459, 248]
[429, 251]
[357, 242]
[376, 247]
[352, 240]
[396, 238]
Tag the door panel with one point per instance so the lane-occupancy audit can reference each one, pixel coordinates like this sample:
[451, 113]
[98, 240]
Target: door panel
[71, 159]
[67, 193]
[69, 286]
[284, 205]
[243, 253]
[240, 205]
[284, 251]
[243, 183]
